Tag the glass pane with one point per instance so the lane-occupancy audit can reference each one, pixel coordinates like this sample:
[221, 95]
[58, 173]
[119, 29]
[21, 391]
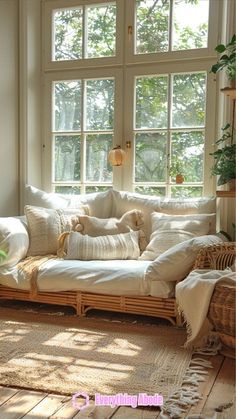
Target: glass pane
[101, 31]
[186, 192]
[91, 189]
[151, 190]
[188, 108]
[151, 102]
[190, 24]
[150, 157]
[67, 106]
[67, 158]
[152, 26]
[189, 147]
[100, 104]
[70, 190]
[68, 27]
[97, 167]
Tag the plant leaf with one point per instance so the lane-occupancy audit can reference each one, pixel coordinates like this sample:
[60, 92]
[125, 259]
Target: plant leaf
[220, 48]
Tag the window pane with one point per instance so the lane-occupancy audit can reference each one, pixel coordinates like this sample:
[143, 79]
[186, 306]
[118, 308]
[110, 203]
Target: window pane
[100, 104]
[68, 24]
[91, 189]
[189, 146]
[67, 158]
[151, 190]
[151, 102]
[150, 157]
[101, 31]
[97, 166]
[188, 108]
[190, 24]
[186, 192]
[70, 190]
[67, 106]
[152, 21]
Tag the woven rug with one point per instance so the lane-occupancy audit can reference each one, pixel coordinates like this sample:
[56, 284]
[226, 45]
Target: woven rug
[67, 354]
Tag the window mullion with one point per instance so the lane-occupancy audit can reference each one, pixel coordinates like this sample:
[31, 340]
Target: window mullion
[85, 33]
[83, 137]
[171, 17]
[169, 99]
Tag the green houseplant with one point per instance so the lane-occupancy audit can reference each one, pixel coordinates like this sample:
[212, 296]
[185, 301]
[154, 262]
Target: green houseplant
[225, 159]
[227, 60]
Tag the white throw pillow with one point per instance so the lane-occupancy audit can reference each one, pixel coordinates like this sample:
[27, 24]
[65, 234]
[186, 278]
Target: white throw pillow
[176, 263]
[169, 230]
[188, 206]
[100, 203]
[14, 241]
[118, 246]
[39, 198]
[45, 226]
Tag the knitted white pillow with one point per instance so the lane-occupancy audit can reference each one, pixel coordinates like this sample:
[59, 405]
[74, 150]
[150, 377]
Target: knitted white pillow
[45, 226]
[74, 245]
[169, 230]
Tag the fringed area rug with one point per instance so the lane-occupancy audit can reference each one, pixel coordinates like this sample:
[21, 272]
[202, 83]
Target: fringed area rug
[68, 354]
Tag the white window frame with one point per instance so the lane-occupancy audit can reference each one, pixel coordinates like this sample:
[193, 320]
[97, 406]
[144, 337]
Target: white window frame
[48, 158]
[48, 64]
[124, 67]
[167, 56]
[162, 69]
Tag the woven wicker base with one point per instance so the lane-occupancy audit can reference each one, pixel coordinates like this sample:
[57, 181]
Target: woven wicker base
[82, 302]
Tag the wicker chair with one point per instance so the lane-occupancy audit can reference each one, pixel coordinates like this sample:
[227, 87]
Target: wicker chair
[222, 307]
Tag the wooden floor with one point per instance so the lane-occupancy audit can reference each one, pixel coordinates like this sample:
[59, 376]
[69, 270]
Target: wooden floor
[216, 403]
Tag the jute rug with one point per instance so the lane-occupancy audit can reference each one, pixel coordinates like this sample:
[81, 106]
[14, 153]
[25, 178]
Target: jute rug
[67, 355]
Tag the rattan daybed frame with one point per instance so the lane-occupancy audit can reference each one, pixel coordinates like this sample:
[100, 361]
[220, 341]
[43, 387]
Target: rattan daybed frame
[210, 257]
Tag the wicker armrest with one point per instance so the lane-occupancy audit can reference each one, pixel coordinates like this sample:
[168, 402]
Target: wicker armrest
[216, 256]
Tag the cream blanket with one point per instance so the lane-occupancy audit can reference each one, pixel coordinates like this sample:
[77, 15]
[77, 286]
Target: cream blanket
[193, 297]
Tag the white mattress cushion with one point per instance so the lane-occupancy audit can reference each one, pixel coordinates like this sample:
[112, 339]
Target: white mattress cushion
[169, 230]
[176, 263]
[114, 277]
[14, 240]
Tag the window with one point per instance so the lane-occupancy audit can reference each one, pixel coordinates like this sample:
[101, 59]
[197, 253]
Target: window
[166, 25]
[84, 32]
[118, 71]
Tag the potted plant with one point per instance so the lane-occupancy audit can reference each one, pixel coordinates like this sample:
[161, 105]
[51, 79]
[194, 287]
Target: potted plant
[177, 170]
[227, 60]
[225, 159]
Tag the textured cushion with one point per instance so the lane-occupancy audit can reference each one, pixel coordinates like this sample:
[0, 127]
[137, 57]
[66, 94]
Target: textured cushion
[169, 230]
[176, 263]
[45, 225]
[117, 246]
[14, 241]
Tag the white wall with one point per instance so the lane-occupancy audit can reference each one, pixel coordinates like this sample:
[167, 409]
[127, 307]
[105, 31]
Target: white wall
[9, 191]
[30, 95]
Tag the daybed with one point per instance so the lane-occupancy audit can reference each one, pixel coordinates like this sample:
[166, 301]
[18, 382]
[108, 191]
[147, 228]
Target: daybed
[175, 229]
